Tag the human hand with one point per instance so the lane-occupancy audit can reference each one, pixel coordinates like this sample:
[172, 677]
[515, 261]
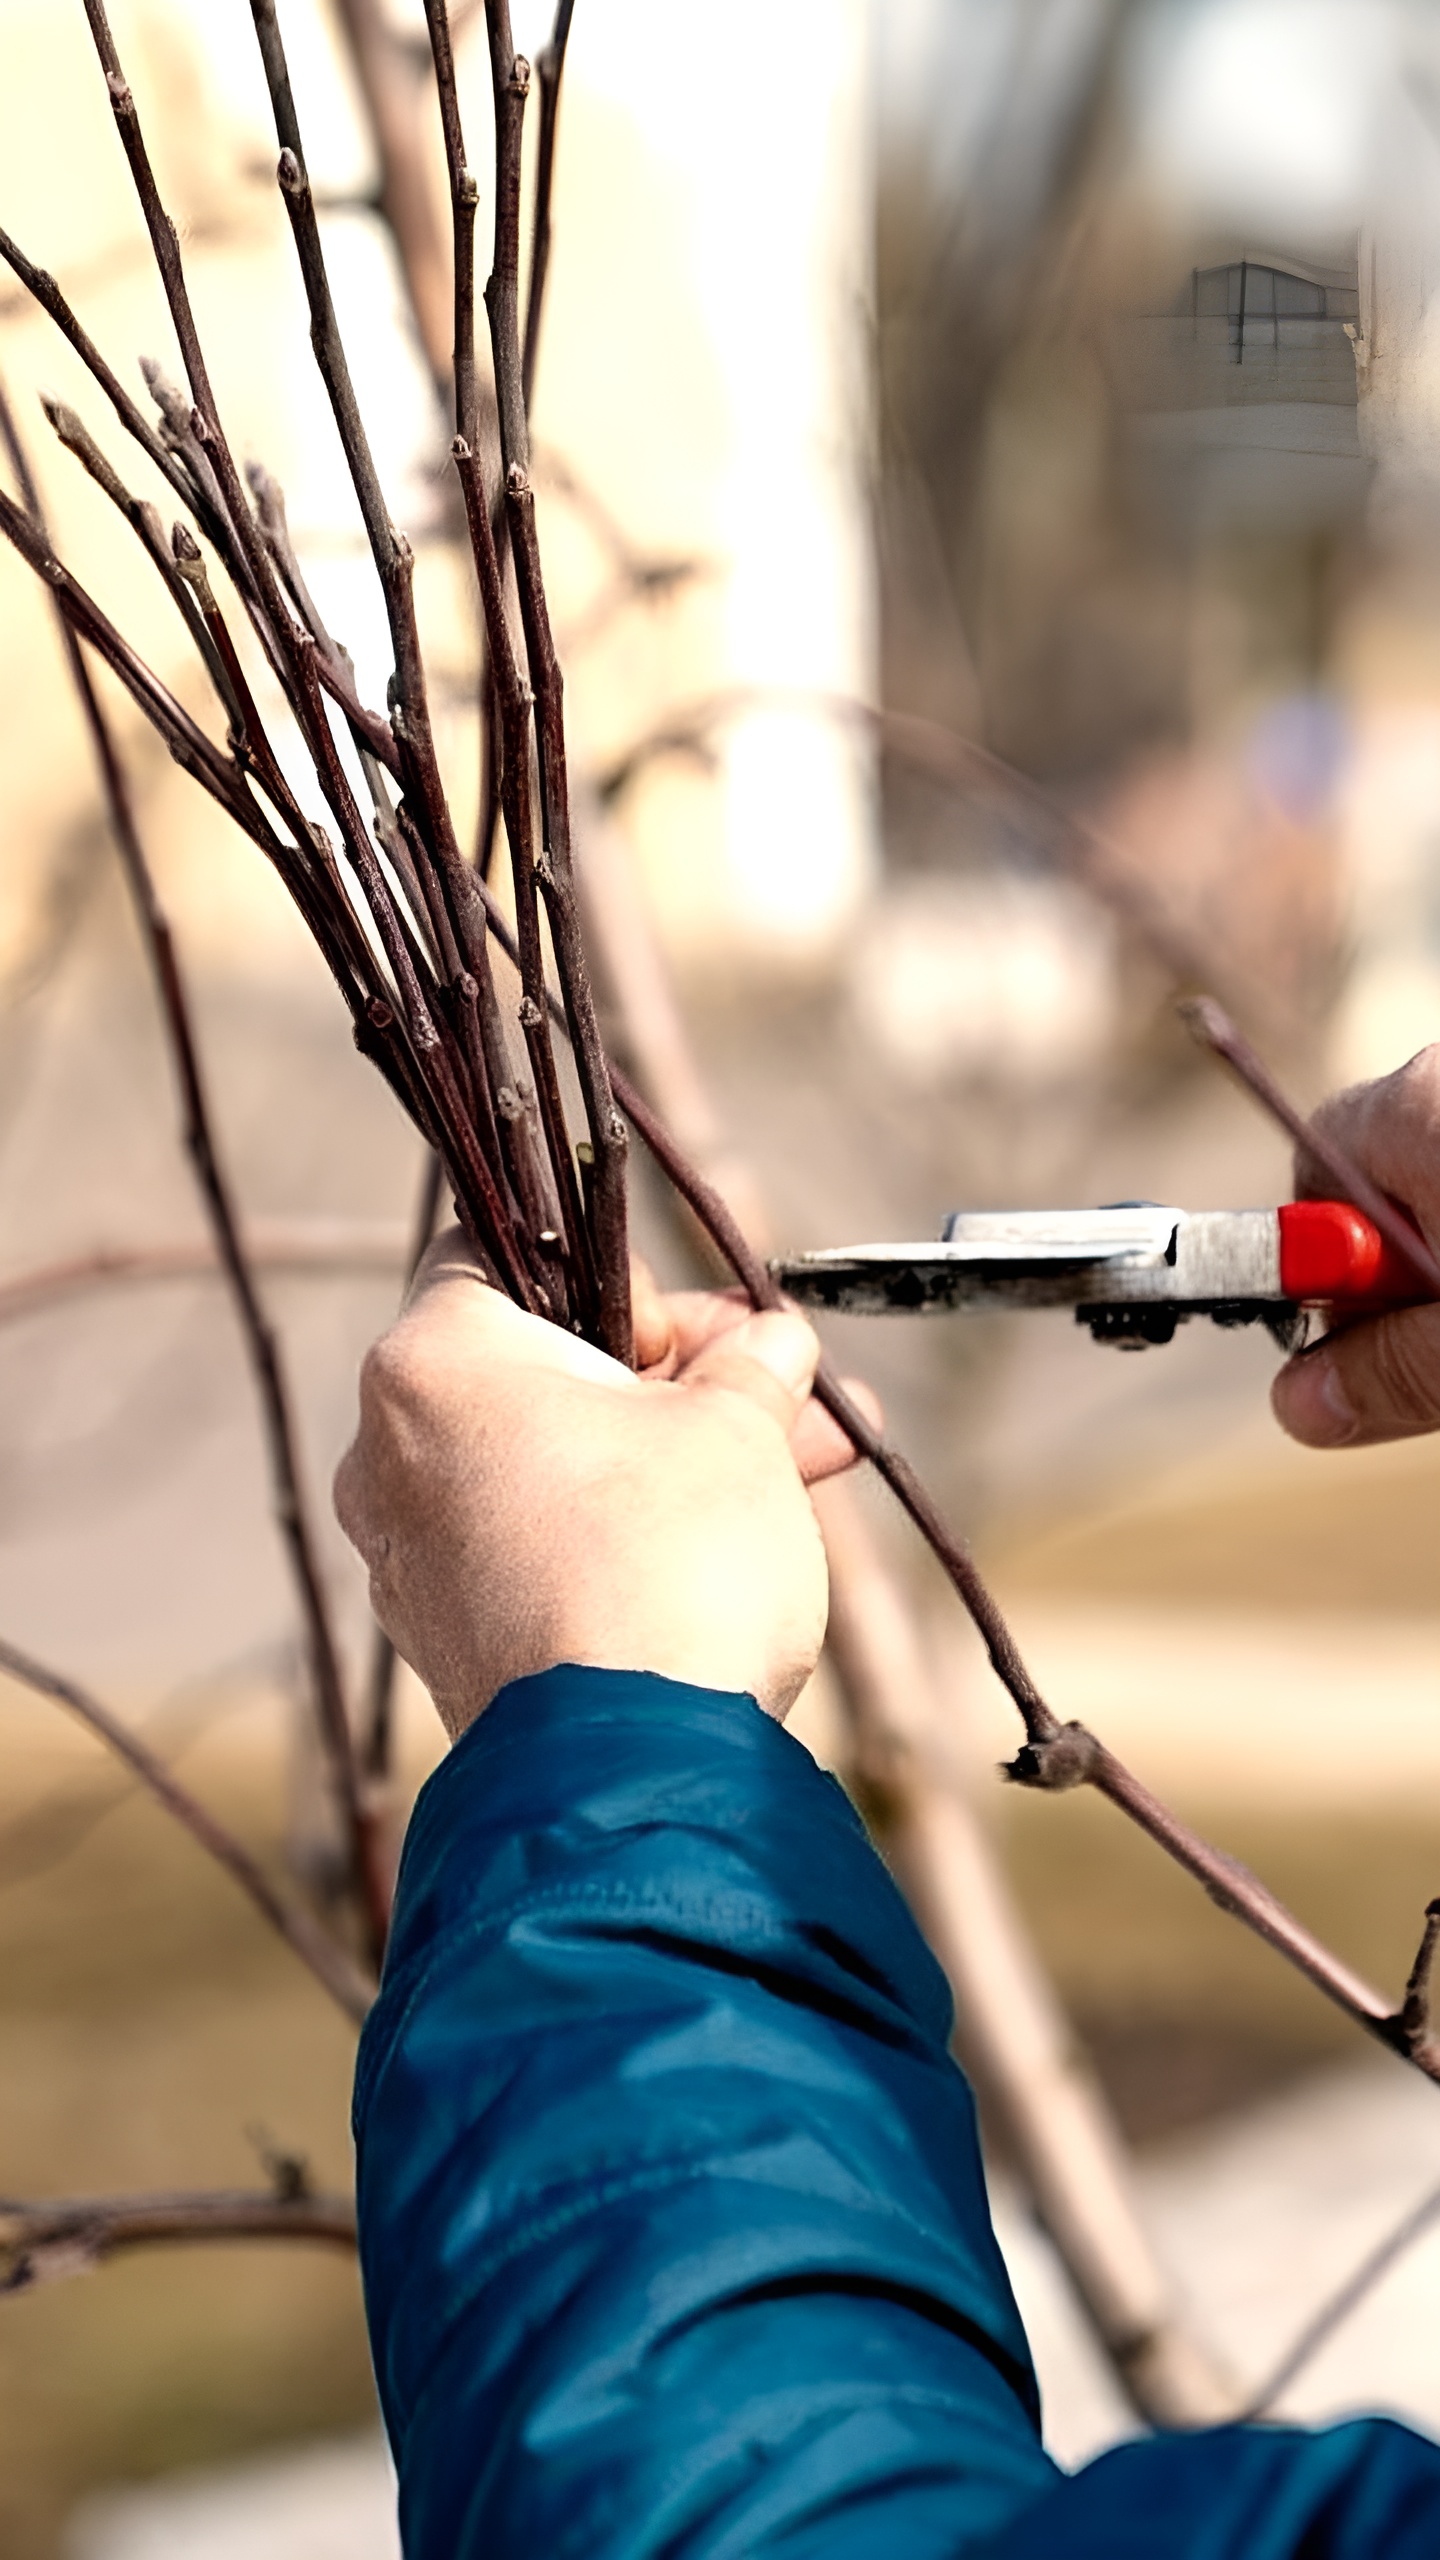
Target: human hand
[522, 1500]
[1378, 1379]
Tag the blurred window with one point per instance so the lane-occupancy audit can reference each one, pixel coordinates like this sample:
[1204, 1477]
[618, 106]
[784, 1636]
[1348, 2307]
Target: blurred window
[1255, 299]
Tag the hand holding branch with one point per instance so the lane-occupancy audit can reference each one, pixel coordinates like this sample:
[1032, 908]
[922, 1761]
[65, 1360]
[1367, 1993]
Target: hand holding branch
[521, 1499]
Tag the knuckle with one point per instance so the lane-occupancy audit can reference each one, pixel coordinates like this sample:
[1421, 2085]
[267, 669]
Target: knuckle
[394, 1376]
[347, 1495]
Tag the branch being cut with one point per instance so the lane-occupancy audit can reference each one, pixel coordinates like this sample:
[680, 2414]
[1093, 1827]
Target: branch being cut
[1216, 1032]
[39, 2243]
[315, 1947]
[1010, 2030]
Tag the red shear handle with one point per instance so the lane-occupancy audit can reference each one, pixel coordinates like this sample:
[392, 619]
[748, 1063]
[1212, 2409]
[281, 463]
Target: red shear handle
[1330, 1253]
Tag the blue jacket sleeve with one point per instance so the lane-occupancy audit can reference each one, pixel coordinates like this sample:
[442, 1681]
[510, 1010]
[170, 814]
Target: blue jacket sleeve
[672, 2220]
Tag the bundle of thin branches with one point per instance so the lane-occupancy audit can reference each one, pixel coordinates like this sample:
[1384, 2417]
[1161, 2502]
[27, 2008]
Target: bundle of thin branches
[395, 908]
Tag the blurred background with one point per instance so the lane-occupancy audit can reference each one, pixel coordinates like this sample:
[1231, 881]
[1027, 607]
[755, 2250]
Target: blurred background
[1053, 378]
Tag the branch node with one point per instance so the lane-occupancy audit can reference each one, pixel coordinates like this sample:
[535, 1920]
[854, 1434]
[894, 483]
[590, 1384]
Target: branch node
[1064, 1759]
[1414, 2019]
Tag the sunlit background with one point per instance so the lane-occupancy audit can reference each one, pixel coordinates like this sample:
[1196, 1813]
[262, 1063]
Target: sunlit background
[1058, 377]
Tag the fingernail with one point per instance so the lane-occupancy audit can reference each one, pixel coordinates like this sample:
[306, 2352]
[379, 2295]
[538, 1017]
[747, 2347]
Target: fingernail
[783, 1344]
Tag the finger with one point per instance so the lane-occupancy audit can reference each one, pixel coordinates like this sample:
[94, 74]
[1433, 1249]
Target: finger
[819, 1446]
[700, 1316]
[770, 1358]
[652, 1318]
[1375, 1381]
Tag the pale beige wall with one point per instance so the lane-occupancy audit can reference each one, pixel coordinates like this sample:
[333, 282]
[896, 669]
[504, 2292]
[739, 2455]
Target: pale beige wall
[705, 375]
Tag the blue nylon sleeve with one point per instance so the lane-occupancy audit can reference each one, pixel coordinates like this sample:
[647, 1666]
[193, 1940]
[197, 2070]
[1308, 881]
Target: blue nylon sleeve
[673, 2227]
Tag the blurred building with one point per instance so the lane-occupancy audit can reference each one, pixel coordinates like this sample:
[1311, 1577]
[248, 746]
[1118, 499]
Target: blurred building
[1241, 397]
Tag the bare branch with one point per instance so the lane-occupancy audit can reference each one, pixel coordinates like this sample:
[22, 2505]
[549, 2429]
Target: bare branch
[394, 102]
[550, 65]
[1415, 2011]
[509, 84]
[47, 293]
[218, 773]
[1346, 2299]
[321, 1247]
[1010, 2031]
[145, 521]
[1215, 1031]
[39, 2243]
[957, 764]
[315, 1947]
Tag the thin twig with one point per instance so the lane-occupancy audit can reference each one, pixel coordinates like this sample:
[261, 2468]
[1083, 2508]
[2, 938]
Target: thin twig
[958, 764]
[145, 521]
[315, 1947]
[511, 698]
[319, 1248]
[391, 552]
[410, 715]
[1215, 1031]
[69, 2235]
[509, 84]
[1346, 2299]
[44, 289]
[550, 65]
[218, 773]
[394, 96]
[1415, 2010]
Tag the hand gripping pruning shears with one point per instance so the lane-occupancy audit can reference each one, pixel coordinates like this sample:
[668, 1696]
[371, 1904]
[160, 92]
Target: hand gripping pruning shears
[1132, 1271]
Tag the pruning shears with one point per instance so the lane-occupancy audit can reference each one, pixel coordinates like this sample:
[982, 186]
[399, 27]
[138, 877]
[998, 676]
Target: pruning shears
[1132, 1271]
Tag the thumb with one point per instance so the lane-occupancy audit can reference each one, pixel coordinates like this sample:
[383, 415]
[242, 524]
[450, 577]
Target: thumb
[770, 1359]
[1374, 1381]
